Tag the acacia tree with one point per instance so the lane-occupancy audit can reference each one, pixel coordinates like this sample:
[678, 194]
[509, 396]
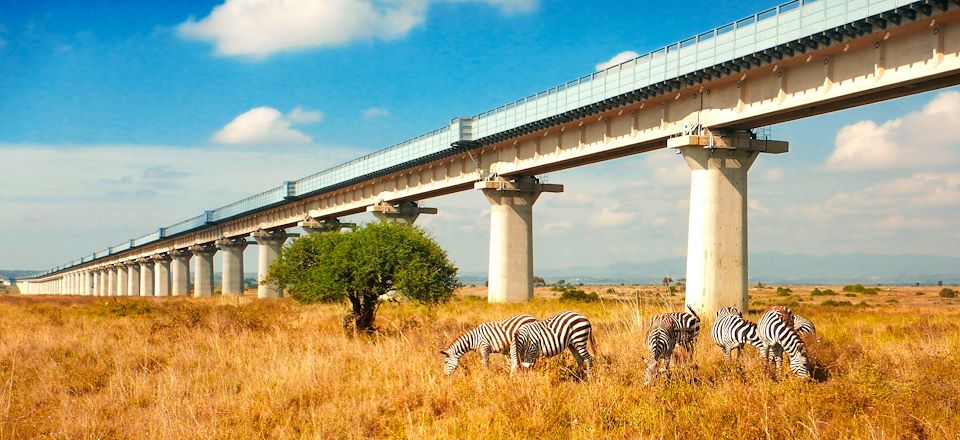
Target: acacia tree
[362, 265]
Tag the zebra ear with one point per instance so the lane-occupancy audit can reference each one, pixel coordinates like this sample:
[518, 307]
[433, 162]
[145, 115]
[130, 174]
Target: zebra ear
[444, 353]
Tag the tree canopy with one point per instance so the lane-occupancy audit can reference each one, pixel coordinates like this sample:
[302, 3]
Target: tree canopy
[362, 265]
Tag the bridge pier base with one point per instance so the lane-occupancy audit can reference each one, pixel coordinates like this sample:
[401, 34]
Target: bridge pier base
[510, 277]
[717, 238]
[232, 275]
[146, 277]
[314, 226]
[133, 278]
[270, 243]
[203, 274]
[161, 275]
[403, 212]
[180, 272]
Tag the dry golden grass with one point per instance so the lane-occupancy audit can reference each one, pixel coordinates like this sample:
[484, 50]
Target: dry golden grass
[239, 368]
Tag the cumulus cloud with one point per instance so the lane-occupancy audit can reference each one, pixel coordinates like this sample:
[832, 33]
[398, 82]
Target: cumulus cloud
[259, 28]
[773, 175]
[920, 190]
[375, 112]
[266, 125]
[914, 140]
[617, 59]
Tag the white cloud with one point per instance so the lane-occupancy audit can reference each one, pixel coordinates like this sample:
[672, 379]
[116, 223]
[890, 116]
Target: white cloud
[300, 115]
[556, 228]
[668, 167]
[917, 139]
[259, 28]
[773, 175]
[266, 125]
[375, 112]
[920, 190]
[617, 59]
[610, 217]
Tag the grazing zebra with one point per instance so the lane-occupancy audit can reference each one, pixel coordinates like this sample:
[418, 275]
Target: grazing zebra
[731, 331]
[805, 328]
[489, 337]
[687, 324]
[778, 335]
[661, 340]
[550, 337]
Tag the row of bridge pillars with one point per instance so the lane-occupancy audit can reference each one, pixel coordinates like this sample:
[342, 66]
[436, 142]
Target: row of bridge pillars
[716, 248]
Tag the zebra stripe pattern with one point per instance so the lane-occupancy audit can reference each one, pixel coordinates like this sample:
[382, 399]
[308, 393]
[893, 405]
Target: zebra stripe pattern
[661, 340]
[805, 328]
[687, 324]
[547, 338]
[778, 336]
[730, 331]
[489, 337]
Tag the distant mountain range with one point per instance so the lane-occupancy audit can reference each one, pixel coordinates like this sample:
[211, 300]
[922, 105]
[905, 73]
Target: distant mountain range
[766, 267]
[773, 268]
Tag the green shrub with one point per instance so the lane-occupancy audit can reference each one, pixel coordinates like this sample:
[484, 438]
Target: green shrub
[948, 293]
[784, 291]
[574, 294]
[832, 303]
[824, 292]
[858, 288]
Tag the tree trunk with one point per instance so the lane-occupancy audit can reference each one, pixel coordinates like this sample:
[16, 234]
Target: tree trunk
[367, 313]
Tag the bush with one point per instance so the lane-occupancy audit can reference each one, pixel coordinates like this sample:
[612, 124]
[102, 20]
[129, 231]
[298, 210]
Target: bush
[858, 288]
[824, 292]
[784, 291]
[948, 293]
[832, 303]
[574, 294]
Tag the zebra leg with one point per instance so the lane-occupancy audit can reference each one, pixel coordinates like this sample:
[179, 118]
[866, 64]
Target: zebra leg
[726, 354]
[583, 357]
[666, 368]
[485, 355]
[651, 369]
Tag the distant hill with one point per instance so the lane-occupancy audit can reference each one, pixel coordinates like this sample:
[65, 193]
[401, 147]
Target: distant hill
[774, 268]
[16, 274]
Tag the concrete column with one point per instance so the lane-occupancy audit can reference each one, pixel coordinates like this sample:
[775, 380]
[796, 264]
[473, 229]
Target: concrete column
[270, 243]
[133, 278]
[403, 212]
[97, 283]
[146, 276]
[232, 275]
[88, 283]
[315, 226]
[180, 272]
[203, 275]
[121, 279]
[511, 236]
[111, 281]
[161, 275]
[717, 238]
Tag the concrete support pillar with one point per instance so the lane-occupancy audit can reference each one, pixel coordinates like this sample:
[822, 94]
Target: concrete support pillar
[717, 238]
[203, 275]
[88, 283]
[314, 226]
[121, 279]
[146, 276]
[232, 276]
[97, 282]
[180, 272]
[133, 278]
[161, 275]
[511, 236]
[403, 212]
[111, 281]
[270, 243]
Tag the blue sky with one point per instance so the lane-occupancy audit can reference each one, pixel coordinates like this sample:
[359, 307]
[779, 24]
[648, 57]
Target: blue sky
[119, 117]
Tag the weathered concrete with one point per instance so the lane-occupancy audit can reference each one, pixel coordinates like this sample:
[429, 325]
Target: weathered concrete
[232, 275]
[97, 282]
[133, 278]
[270, 243]
[161, 275]
[717, 239]
[88, 283]
[511, 236]
[111, 281]
[203, 274]
[146, 276]
[402, 212]
[180, 272]
[121, 279]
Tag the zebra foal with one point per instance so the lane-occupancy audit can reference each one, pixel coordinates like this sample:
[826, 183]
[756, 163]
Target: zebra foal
[489, 337]
[730, 331]
[547, 338]
[661, 340]
[776, 331]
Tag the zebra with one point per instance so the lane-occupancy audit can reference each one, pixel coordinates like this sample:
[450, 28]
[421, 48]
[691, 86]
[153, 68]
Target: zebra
[730, 331]
[550, 337]
[776, 331]
[489, 337]
[661, 340]
[687, 324]
[805, 328]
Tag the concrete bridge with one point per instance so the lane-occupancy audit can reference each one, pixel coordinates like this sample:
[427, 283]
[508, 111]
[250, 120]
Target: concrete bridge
[702, 96]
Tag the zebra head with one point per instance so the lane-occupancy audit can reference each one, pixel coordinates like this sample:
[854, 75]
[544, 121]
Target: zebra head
[729, 311]
[800, 365]
[450, 361]
[527, 349]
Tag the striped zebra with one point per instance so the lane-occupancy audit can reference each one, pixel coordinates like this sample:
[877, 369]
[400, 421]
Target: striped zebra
[730, 331]
[687, 324]
[547, 338]
[489, 337]
[778, 336]
[661, 340]
[805, 328]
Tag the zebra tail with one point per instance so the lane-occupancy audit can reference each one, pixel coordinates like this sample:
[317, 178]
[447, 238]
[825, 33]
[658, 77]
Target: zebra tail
[593, 345]
[693, 312]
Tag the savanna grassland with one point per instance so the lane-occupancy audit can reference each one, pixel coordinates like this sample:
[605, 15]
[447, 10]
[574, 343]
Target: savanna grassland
[77, 368]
